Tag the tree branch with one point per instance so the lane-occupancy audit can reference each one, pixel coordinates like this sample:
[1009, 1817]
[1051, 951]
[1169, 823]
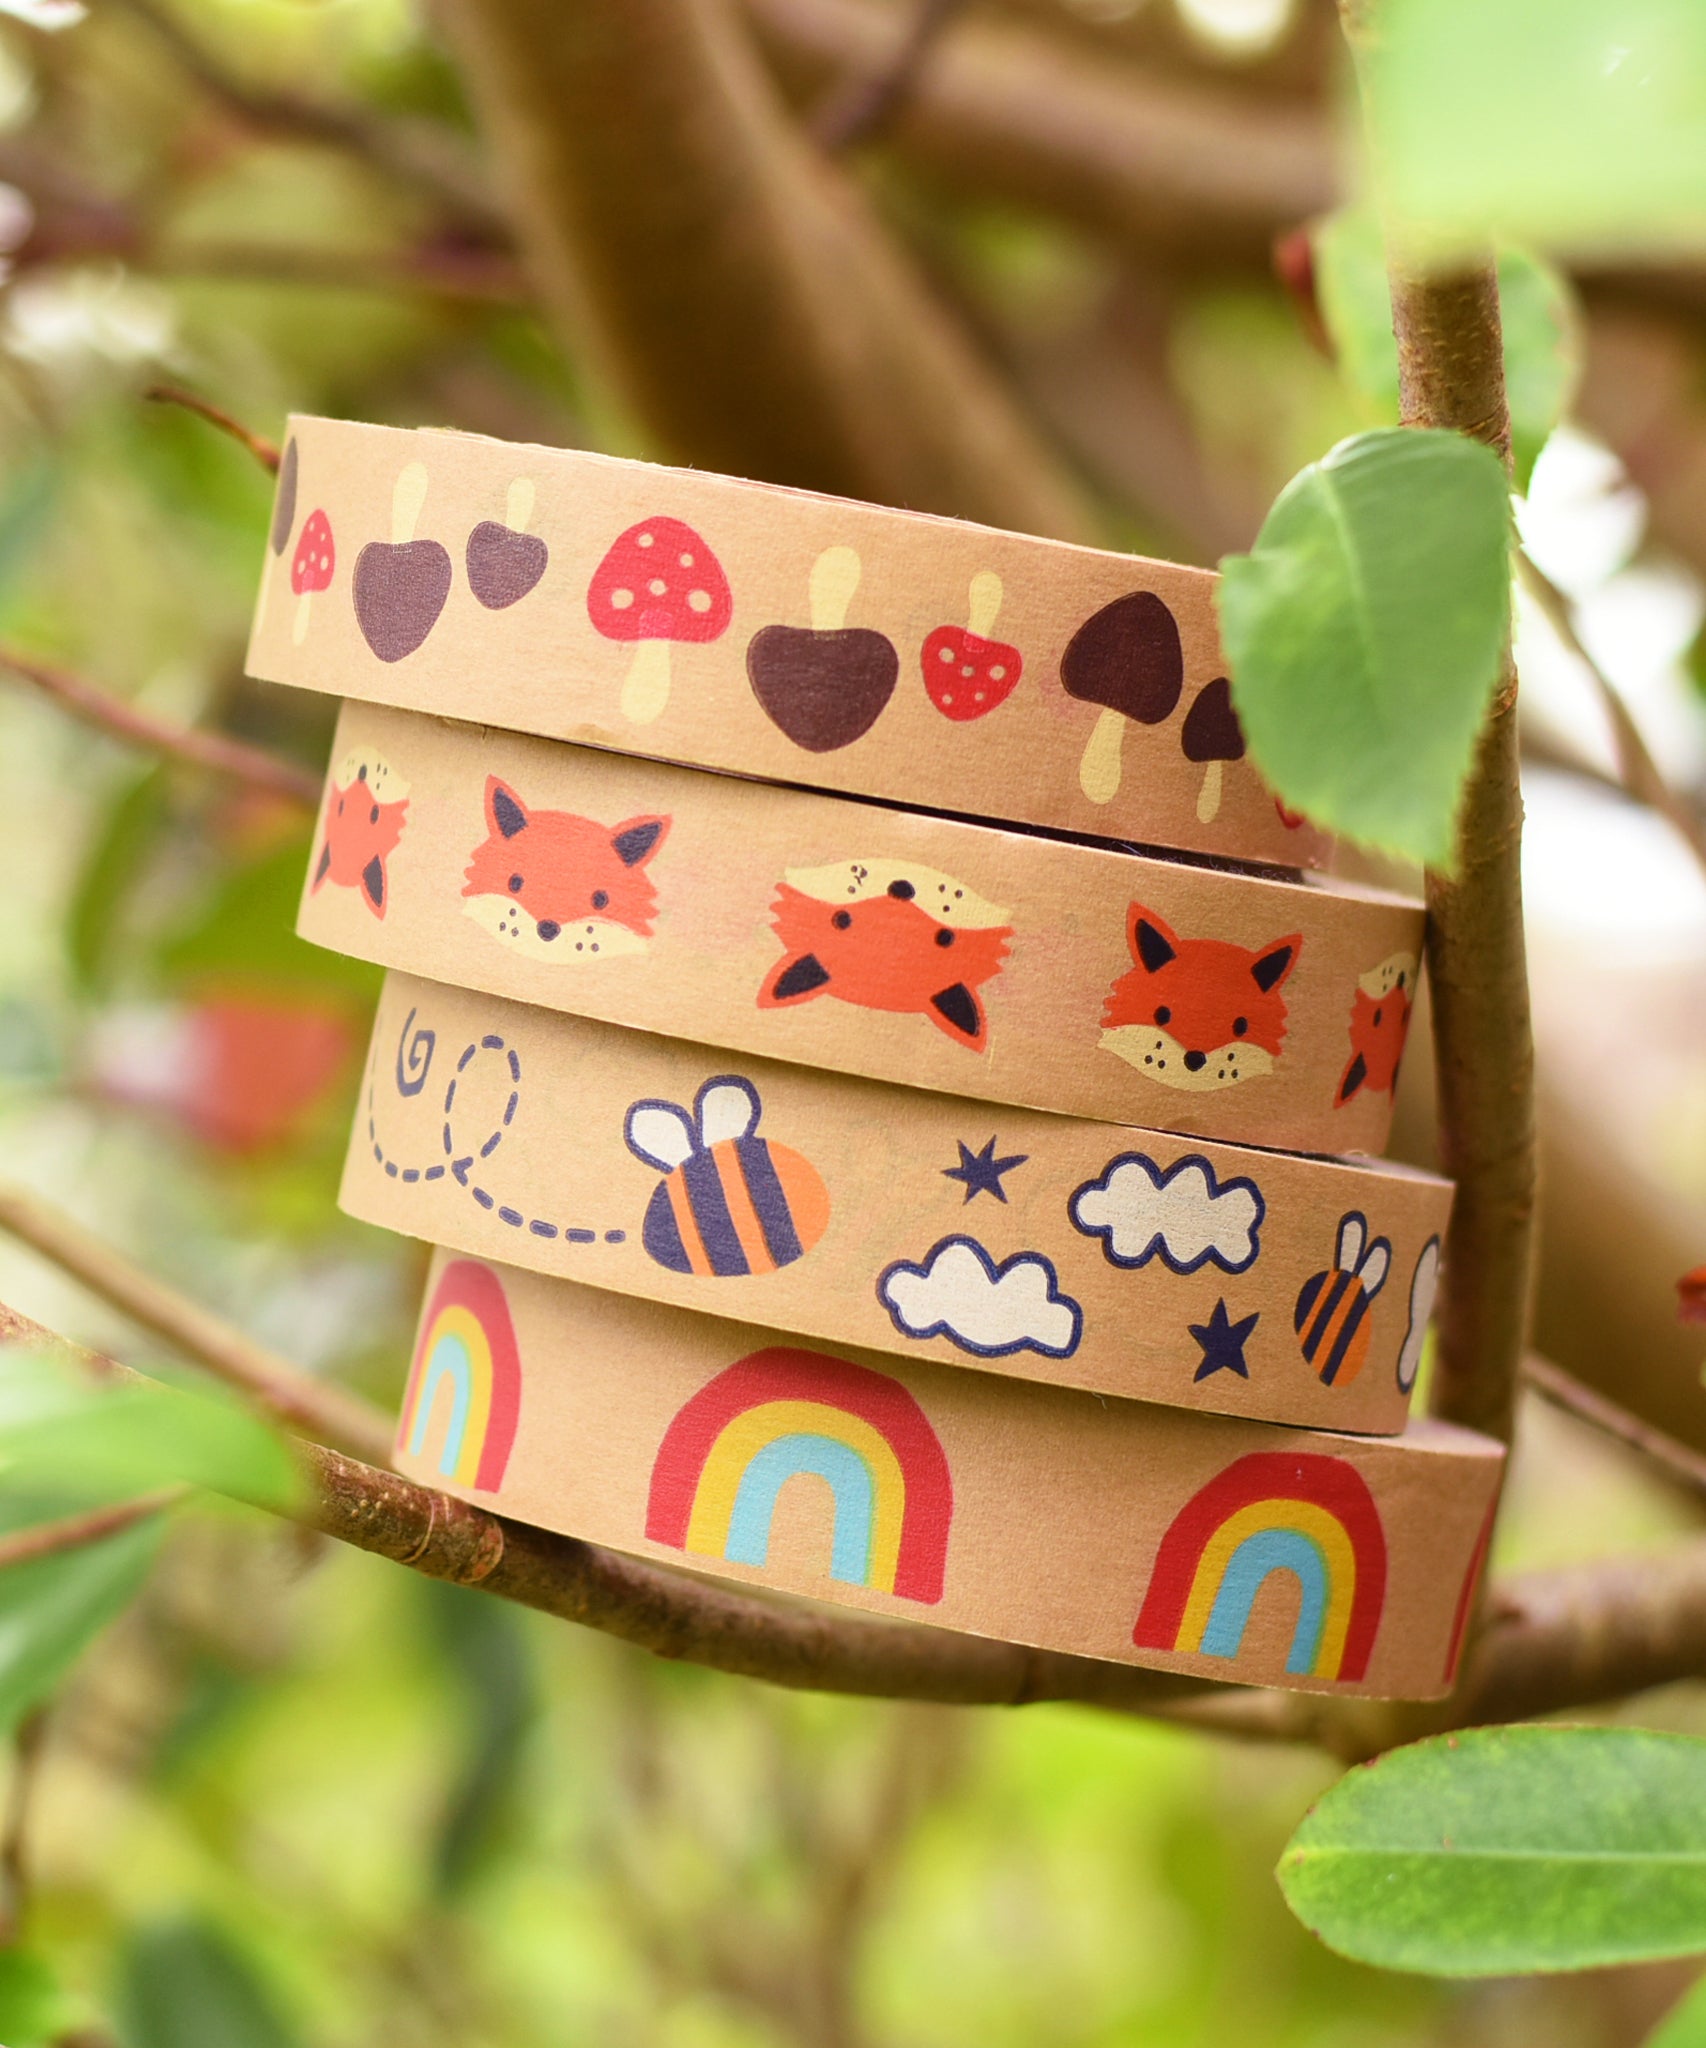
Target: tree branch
[1451, 375]
[1687, 1468]
[733, 282]
[77, 1532]
[265, 452]
[866, 102]
[211, 752]
[273, 1383]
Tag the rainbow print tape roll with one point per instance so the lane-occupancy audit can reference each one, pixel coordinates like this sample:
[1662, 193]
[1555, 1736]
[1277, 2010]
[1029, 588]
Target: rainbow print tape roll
[1281, 1288]
[770, 632]
[1032, 1514]
[998, 965]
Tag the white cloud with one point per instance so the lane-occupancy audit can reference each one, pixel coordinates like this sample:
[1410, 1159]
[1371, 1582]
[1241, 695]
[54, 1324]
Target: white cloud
[1184, 1213]
[959, 1292]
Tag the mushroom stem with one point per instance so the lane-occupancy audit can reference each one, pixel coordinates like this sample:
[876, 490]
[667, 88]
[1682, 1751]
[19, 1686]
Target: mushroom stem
[645, 691]
[984, 607]
[299, 625]
[518, 504]
[1099, 771]
[1208, 797]
[834, 579]
[408, 495]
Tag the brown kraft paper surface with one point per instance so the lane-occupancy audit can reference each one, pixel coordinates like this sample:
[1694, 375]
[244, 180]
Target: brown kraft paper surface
[909, 948]
[1260, 1284]
[771, 632]
[1030, 1514]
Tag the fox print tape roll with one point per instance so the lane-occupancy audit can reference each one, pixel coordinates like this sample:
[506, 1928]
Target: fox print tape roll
[1053, 1248]
[1004, 966]
[1040, 1515]
[771, 632]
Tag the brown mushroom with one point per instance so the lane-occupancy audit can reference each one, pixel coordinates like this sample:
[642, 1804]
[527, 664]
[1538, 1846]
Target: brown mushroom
[283, 519]
[1212, 735]
[824, 685]
[504, 560]
[400, 585]
[1128, 659]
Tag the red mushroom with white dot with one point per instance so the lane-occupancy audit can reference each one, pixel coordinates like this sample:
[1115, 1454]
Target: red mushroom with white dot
[311, 569]
[966, 673]
[658, 584]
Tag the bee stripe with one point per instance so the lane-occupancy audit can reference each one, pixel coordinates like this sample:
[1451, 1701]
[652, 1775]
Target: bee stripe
[1323, 1318]
[687, 1227]
[1352, 1323]
[743, 1216]
[769, 1199]
[711, 1212]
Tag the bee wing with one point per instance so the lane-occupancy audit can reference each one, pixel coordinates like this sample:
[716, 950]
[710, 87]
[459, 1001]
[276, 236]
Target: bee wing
[660, 1133]
[1373, 1270]
[726, 1107]
[1353, 1235]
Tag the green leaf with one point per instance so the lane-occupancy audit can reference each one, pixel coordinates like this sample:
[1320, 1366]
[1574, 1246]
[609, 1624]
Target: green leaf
[1574, 125]
[1364, 632]
[185, 1986]
[59, 1430]
[1509, 1850]
[35, 2011]
[1684, 2026]
[113, 869]
[1541, 333]
[53, 1608]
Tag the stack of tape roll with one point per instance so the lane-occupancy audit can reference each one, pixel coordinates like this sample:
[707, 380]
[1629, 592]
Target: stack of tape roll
[860, 1160]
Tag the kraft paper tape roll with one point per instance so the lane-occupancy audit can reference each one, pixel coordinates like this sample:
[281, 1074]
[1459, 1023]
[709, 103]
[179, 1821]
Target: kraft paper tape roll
[910, 948]
[1032, 1514]
[1259, 1284]
[770, 632]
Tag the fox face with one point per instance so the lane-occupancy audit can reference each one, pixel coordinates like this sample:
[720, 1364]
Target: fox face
[1380, 1023]
[888, 936]
[559, 887]
[365, 813]
[1198, 1013]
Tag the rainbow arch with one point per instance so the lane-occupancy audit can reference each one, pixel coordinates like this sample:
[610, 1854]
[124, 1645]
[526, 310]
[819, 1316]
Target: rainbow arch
[779, 1413]
[466, 1352]
[1274, 1511]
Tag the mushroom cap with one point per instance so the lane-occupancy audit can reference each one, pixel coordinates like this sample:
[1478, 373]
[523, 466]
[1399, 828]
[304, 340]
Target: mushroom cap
[1127, 657]
[284, 498]
[1212, 731]
[315, 557]
[660, 581]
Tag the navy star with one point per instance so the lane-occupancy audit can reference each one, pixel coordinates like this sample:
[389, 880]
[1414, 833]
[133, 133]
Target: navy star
[982, 1171]
[1222, 1341]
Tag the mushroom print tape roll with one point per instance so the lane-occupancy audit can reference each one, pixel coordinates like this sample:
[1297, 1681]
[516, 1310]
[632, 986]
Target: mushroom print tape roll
[910, 948]
[1041, 1515]
[1053, 1248]
[770, 632]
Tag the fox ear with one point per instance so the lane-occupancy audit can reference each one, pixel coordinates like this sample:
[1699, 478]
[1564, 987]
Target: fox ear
[506, 814]
[635, 841]
[1152, 940]
[1271, 966]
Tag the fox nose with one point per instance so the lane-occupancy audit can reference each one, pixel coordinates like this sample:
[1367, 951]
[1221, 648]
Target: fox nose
[549, 928]
[1196, 1061]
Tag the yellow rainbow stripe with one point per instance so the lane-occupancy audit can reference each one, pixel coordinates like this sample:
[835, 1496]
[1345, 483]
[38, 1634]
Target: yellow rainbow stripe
[459, 1326]
[745, 1435]
[1324, 1529]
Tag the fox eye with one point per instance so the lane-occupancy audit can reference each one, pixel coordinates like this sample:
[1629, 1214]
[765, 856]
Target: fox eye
[600, 897]
[1163, 1015]
[842, 919]
[340, 807]
[1239, 1026]
[515, 885]
[1377, 1016]
[373, 819]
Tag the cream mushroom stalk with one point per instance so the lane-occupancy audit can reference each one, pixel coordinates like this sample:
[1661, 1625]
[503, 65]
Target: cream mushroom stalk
[834, 584]
[983, 606]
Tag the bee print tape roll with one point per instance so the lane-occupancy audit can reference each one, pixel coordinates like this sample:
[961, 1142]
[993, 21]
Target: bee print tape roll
[771, 632]
[1260, 1284]
[1041, 1515]
[998, 965]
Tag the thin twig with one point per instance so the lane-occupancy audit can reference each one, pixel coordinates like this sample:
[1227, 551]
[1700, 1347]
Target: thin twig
[77, 1532]
[1564, 1390]
[265, 452]
[209, 751]
[863, 105]
[1637, 771]
[28, 1744]
[273, 1383]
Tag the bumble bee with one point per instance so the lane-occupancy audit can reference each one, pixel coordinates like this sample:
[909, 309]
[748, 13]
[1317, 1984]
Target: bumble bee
[1332, 1318]
[729, 1202]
